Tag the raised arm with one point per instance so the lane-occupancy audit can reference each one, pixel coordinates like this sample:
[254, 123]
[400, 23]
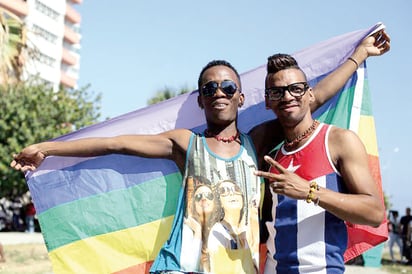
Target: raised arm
[170, 145]
[267, 135]
[374, 45]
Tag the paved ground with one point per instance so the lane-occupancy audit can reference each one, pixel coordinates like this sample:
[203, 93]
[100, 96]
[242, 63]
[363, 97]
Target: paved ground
[351, 269]
[13, 238]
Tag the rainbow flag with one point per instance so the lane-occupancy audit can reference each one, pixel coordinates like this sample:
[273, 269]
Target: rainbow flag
[112, 214]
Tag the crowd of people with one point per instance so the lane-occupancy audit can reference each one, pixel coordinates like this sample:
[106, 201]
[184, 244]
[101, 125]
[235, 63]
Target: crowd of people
[18, 214]
[400, 233]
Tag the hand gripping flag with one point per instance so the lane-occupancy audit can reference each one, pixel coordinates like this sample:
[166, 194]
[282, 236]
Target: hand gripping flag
[112, 214]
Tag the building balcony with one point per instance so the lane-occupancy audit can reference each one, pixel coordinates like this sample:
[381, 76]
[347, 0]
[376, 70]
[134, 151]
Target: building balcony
[18, 7]
[67, 81]
[72, 15]
[68, 58]
[71, 36]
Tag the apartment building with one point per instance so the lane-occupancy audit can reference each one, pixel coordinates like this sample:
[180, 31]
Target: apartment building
[53, 36]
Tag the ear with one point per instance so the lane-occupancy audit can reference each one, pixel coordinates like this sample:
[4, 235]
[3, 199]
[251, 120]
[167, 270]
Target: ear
[241, 99]
[312, 98]
[199, 101]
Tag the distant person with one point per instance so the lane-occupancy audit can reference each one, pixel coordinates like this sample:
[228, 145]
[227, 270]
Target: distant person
[16, 207]
[30, 213]
[406, 235]
[394, 227]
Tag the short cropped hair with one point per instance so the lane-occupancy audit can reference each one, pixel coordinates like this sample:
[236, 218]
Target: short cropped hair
[281, 61]
[218, 63]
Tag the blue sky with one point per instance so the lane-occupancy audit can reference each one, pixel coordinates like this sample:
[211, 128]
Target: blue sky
[132, 49]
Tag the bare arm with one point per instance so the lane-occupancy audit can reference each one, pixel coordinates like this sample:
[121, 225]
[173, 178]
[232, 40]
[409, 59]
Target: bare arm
[170, 145]
[361, 206]
[370, 46]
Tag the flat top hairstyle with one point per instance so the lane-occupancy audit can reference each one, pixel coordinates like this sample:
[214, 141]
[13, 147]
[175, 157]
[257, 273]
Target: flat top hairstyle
[218, 63]
[281, 61]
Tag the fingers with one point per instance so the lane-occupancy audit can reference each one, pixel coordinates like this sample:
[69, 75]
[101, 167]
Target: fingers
[382, 41]
[276, 187]
[267, 175]
[270, 175]
[19, 164]
[275, 164]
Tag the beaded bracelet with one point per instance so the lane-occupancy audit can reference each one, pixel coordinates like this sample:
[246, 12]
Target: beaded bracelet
[353, 60]
[313, 186]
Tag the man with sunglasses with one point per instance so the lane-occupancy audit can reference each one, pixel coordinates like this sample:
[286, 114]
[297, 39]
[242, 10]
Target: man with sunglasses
[318, 178]
[219, 153]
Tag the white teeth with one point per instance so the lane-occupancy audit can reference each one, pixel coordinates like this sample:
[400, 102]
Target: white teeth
[220, 106]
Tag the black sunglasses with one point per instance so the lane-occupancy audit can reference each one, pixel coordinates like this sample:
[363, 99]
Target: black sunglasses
[297, 90]
[227, 86]
[207, 195]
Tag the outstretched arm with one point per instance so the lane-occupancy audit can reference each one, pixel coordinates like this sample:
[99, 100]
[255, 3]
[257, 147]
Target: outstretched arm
[374, 45]
[170, 145]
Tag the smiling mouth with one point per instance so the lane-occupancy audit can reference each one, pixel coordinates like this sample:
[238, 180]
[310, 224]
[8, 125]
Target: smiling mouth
[287, 107]
[219, 105]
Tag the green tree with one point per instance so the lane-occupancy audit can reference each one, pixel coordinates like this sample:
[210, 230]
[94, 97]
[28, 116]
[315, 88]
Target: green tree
[166, 94]
[33, 113]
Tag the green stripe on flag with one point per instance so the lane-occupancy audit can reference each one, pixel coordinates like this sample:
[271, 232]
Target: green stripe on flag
[111, 211]
[340, 114]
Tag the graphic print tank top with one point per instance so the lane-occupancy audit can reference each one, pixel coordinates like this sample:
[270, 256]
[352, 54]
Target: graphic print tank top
[216, 225]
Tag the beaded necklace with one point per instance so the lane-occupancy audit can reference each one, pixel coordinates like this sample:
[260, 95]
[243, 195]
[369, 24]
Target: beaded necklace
[220, 138]
[304, 135]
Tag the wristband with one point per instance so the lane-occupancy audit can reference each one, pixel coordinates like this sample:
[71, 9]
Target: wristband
[313, 186]
[353, 60]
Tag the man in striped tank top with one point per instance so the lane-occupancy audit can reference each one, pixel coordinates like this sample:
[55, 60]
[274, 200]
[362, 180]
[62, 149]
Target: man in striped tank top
[319, 177]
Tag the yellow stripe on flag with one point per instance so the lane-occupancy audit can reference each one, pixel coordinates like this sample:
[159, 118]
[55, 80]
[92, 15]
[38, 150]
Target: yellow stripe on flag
[367, 134]
[114, 251]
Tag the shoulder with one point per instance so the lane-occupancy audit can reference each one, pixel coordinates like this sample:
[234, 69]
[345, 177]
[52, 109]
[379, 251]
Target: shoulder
[264, 127]
[267, 135]
[345, 144]
[179, 137]
[341, 136]
[178, 134]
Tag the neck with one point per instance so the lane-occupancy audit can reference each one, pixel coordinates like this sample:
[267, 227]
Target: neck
[295, 139]
[226, 135]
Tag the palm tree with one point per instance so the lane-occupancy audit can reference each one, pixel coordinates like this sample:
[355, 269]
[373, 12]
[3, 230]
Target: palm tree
[12, 47]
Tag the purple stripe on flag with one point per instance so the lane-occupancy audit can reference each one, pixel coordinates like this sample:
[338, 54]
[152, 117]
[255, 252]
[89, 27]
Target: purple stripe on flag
[92, 177]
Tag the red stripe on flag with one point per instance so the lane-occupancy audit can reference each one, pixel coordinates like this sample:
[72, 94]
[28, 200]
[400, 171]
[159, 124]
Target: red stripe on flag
[362, 237]
[140, 268]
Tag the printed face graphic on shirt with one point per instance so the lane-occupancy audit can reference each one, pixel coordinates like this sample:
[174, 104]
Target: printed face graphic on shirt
[204, 200]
